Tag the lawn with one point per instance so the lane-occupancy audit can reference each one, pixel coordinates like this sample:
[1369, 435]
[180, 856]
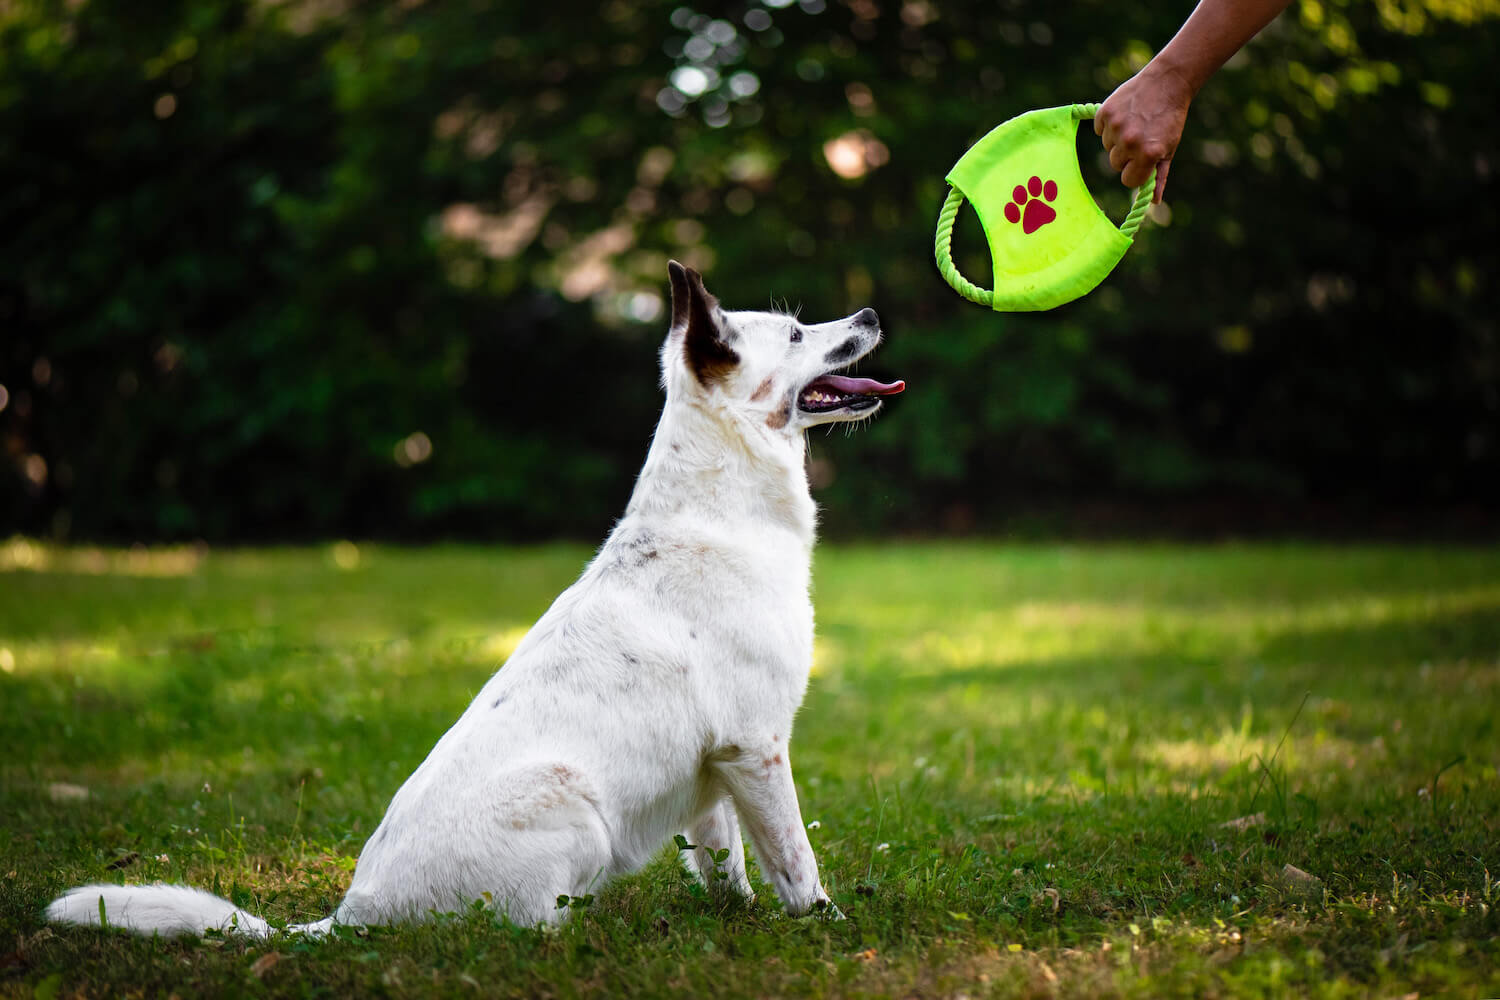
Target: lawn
[1030, 770]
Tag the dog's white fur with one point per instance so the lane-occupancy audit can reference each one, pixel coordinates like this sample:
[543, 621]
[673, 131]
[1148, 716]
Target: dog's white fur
[655, 696]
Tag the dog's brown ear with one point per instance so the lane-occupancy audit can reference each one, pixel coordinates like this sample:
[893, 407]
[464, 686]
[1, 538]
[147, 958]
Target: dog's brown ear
[695, 317]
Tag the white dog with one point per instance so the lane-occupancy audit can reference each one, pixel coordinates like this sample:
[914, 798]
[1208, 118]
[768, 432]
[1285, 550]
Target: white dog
[655, 696]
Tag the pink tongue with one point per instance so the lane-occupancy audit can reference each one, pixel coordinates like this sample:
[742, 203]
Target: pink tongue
[848, 386]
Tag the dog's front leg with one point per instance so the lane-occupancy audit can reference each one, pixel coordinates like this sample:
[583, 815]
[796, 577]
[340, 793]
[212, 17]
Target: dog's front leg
[719, 830]
[760, 782]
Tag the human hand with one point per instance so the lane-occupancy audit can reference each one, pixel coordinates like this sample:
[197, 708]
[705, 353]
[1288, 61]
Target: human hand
[1141, 124]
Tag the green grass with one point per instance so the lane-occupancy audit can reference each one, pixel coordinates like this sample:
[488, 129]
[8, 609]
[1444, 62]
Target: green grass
[1020, 760]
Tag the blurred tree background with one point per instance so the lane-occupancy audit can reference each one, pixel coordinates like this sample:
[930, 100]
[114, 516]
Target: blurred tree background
[312, 268]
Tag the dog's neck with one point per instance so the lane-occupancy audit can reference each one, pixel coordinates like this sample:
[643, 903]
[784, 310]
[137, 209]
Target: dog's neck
[708, 462]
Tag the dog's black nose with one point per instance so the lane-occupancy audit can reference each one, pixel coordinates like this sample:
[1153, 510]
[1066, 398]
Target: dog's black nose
[866, 317]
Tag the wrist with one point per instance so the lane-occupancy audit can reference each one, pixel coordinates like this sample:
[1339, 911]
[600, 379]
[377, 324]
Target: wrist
[1170, 68]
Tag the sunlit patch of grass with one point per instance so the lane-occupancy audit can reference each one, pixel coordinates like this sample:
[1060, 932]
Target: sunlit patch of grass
[1044, 770]
[97, 657]
[499, 645]
[139, 561]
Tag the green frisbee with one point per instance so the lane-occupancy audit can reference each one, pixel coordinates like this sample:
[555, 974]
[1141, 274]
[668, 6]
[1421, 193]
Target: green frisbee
[1049, 241]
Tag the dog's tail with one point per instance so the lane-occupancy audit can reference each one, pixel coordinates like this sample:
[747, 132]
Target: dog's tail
[168, 910]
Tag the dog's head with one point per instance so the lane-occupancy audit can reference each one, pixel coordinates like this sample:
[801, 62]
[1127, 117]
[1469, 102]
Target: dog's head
[766, 365]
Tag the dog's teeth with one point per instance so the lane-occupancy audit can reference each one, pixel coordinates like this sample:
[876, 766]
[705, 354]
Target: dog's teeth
[817, 397]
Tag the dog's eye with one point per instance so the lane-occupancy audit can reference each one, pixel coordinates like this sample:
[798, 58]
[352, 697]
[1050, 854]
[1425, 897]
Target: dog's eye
[796, 335]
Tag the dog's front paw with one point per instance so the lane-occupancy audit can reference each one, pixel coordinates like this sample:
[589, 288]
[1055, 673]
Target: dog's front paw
[819, 908]
[823, 909]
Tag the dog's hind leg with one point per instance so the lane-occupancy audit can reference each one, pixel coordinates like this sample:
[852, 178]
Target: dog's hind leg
[717, 830]
[554, 865]
[518, 839]
[555, 844]
[760, 781]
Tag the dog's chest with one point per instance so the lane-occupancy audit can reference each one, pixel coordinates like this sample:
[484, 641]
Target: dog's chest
[755, 630]
[734, 603]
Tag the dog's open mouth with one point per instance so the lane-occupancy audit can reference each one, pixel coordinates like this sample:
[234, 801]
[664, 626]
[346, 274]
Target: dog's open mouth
[839, 392]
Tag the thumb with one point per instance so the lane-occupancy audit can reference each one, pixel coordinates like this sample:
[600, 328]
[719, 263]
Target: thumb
[1161, 181]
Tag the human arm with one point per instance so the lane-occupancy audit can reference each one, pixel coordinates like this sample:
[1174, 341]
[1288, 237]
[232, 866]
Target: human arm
[1141, 123]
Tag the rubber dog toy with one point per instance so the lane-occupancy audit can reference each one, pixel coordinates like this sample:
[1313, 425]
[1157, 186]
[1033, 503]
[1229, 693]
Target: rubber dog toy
[1049, 242]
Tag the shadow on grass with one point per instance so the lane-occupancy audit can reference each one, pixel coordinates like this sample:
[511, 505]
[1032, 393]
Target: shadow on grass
[1444, 634]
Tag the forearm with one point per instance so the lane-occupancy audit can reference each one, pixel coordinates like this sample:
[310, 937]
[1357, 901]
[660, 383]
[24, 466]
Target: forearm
[1215, 31]
[1141, 123]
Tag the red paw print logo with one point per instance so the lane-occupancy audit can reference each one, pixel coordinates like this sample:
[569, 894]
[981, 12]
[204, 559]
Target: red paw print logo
[1036, 212]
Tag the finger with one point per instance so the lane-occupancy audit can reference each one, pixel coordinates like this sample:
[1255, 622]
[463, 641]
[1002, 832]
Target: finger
[1136, 172]
[1118, 158]
[1161, 181]
[1110, 136]
[1102, 119]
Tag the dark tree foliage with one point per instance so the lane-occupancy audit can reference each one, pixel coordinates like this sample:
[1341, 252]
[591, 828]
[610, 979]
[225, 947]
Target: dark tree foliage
[304, 268]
